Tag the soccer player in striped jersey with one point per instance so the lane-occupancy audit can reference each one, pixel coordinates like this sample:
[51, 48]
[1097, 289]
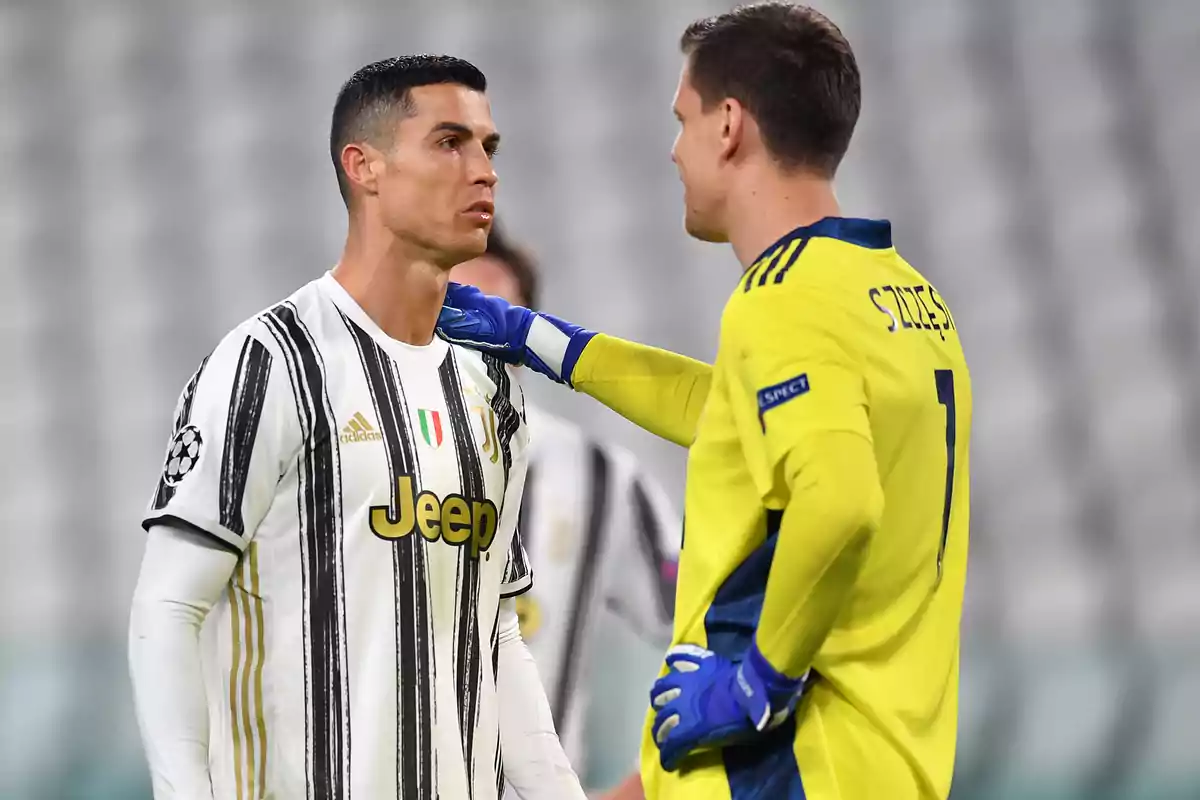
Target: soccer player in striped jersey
[340, 500]
[602, 537]
[824, 555]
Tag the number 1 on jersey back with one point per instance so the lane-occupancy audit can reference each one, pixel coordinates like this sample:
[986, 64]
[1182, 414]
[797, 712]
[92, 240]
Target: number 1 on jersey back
[945, 392]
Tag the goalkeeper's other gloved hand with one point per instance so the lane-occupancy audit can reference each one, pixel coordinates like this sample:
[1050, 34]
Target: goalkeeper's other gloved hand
[705, 700]
[517, 335]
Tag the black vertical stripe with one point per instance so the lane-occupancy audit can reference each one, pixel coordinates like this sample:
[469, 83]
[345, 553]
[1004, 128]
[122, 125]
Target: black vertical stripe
[507, 419]
[779, 276]
[414, 642]
[246, 400]
[650, 538]
[327, 721]
[777, 262]
[507, 423]
[467, 652]
[585, 577]
[756, 266]
[517, 568]
[183, 416]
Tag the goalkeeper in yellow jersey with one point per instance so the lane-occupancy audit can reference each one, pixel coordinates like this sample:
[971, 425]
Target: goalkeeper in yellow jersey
[820, 586]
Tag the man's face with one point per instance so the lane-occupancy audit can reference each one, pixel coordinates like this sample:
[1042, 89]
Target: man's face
[698, 153]
[436, 184]
[490, 276]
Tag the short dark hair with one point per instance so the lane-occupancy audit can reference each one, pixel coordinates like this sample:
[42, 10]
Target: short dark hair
[518, 261]
[791, 68]
[378, 91]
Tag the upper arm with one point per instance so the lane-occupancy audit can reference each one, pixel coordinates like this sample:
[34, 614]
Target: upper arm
[798, 372]
[182, 570]
[518, 569]
[235, 431]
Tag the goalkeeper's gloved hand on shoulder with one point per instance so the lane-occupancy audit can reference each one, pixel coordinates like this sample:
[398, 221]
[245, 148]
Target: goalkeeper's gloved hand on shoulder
[517, 335]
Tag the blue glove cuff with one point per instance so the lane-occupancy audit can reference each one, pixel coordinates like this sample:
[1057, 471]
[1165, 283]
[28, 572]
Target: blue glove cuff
[557, 360]
[765, 694]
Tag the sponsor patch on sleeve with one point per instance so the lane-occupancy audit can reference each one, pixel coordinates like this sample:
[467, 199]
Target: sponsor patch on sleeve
[780, 393]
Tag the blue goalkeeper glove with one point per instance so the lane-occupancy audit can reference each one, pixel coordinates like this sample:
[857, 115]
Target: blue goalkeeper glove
[544, 343]
[705, 700]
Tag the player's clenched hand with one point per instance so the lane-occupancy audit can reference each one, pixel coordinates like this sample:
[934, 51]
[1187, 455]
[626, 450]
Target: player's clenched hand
[517, 335]
[705, 700]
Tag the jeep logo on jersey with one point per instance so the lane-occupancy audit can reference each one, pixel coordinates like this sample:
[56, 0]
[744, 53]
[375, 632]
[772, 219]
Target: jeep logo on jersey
[454, 519]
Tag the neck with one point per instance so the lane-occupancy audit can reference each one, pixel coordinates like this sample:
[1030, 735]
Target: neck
[399, 286]
[767, 204]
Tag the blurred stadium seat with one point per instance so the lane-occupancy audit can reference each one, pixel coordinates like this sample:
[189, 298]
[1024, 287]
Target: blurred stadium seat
[166, 174]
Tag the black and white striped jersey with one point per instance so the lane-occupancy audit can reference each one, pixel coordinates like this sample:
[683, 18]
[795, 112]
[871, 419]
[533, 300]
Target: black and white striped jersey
[372, 490]
[603, 538]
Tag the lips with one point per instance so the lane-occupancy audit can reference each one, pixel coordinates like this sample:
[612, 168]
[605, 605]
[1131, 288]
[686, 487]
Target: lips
[482, 207]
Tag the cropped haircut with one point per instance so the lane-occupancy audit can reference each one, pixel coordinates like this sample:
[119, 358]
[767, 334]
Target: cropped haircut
[379, 95]
[793, 71]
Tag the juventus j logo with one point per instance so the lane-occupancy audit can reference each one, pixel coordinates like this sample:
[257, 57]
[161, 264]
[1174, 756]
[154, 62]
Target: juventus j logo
[491, 443]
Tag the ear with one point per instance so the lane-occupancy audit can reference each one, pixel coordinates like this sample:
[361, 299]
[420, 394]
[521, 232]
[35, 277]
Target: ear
[362, 166]
[733, 127]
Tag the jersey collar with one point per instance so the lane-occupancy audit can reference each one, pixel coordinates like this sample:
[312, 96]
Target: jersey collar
[873, 234]
[433, 353]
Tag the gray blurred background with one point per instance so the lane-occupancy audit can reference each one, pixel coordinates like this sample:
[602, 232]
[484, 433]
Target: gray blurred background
[164, 173]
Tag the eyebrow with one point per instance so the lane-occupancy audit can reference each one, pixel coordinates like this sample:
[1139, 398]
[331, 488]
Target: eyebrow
[491, 140]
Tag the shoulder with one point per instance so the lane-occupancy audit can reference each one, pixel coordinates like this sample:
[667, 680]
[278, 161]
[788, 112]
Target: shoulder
[294, 322]
[815, 288]
[268, 344]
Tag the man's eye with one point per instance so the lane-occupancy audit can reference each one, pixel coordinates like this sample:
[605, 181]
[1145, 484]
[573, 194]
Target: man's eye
[449, 143]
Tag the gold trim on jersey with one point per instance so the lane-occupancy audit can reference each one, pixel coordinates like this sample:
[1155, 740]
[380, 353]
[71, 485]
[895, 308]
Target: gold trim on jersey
[246, 715]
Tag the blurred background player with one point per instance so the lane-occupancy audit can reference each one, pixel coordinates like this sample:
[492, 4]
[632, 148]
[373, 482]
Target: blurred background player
[603, 540]
[824, 559]
[342, 492]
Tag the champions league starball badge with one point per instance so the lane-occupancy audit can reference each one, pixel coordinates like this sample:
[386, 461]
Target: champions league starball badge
[182, 455]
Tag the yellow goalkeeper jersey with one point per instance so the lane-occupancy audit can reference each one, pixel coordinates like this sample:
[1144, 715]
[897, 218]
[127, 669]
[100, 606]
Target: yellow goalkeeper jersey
[832, 331]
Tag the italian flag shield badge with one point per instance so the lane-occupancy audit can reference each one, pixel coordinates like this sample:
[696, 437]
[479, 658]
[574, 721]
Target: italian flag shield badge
[431, 426]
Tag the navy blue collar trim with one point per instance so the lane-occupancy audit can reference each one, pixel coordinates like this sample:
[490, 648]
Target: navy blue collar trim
[873, 234]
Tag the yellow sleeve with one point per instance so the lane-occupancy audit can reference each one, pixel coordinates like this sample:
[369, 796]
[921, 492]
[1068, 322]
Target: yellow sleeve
[660, 391]
[796, 368]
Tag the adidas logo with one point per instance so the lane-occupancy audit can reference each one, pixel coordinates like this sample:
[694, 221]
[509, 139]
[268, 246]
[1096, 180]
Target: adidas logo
[359, 430]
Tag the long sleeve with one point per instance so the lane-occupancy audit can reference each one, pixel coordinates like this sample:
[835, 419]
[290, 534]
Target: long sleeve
[835, 506]
[660, 391]
[534, 762]
[182, 576]
[811, 440]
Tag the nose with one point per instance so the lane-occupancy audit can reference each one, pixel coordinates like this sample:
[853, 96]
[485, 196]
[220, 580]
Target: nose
[487, 176]
[484, 171]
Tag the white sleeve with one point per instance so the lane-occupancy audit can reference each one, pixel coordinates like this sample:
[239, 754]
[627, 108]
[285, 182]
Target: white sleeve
[236, 428]
[534, 762]
[646, 548]
[518, 572]
[182, 576]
